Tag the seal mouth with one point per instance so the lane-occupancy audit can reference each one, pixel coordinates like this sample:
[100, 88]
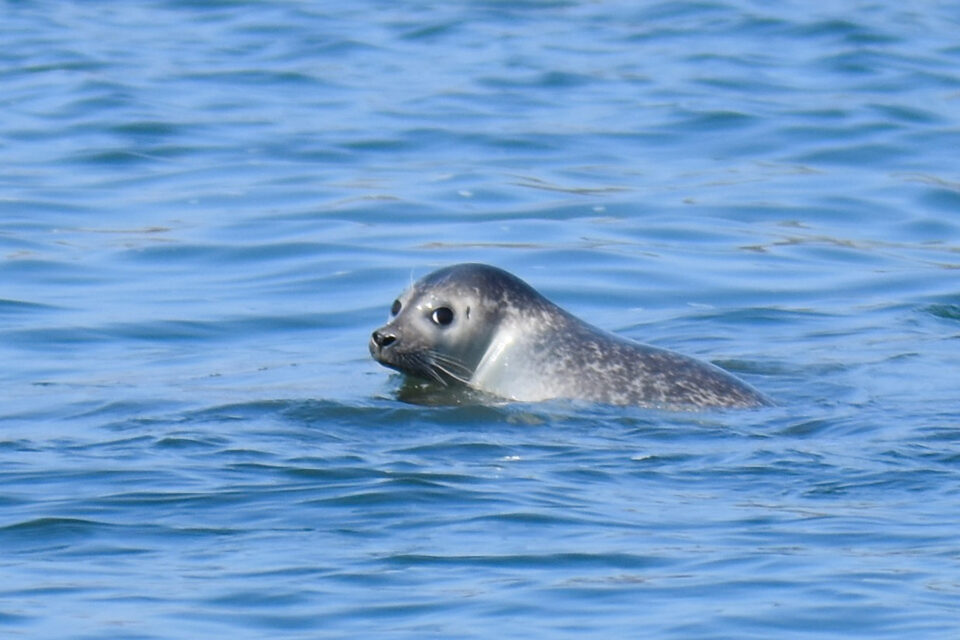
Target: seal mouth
[428, 364]
[374, 350]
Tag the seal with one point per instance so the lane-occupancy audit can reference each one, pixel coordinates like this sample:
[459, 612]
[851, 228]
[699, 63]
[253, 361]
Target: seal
[482, 327]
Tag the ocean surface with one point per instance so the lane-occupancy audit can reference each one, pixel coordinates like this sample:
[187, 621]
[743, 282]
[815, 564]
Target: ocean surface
[207, 206]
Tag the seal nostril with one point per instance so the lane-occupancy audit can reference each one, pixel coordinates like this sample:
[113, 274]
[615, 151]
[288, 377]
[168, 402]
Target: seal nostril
[383, 340]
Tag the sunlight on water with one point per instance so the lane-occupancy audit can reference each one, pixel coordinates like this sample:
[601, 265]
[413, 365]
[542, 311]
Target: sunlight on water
[207, 207]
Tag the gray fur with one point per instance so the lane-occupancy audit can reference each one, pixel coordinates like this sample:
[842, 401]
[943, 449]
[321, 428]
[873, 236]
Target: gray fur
[508, 340]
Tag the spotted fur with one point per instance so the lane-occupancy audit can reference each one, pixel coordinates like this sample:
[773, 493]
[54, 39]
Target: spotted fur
[508, 340]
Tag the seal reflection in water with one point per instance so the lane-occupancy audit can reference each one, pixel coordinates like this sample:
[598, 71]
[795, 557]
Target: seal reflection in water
[479, 326]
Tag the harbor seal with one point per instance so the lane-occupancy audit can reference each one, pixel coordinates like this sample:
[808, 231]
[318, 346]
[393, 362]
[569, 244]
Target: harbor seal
[482, 327]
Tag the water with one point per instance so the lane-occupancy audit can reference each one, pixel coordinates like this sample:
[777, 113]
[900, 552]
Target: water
[205, 208]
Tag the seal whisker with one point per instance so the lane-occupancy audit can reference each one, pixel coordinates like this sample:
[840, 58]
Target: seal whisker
[423, 363]
[447, 371]
[451, 362]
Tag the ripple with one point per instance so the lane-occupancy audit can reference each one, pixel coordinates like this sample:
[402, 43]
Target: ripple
[209, 205]
[944, 311]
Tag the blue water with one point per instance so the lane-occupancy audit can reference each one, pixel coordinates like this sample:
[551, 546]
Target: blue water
[206, 207]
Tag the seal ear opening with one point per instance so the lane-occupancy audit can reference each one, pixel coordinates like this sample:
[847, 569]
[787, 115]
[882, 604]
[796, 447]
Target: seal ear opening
[467, 313]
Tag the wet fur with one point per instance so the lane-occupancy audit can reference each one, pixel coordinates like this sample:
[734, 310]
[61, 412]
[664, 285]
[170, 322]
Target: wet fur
[514, 343]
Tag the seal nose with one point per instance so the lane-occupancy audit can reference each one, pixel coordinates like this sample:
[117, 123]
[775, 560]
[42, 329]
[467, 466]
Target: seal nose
[383, 340]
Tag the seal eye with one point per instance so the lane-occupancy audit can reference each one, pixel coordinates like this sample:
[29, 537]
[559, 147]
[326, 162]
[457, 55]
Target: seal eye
[395, 309]
[442, 316]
